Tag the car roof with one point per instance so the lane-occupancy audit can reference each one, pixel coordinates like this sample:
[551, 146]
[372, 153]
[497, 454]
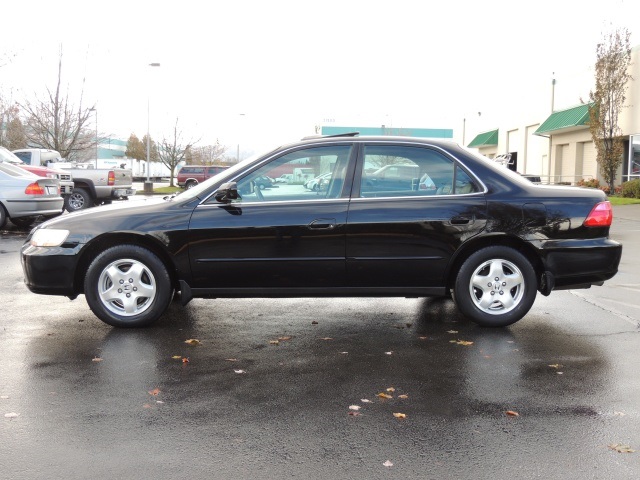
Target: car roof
[350, 137]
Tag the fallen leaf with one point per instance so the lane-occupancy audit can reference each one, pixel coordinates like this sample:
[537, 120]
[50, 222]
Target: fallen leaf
[617, 414]
[231, 359]
[618, 447]
[4, 397]
[556, 366]
[354, 414]
[452, 331]
[11, 415]
[388, 353]
[511, 413]
[423, 338]
[159, 402]
[400, 415]
[461, 342]
[364, 400]
[387, 464]
[185, 360]
[343, 353]
[314, 323]
[403, 397]
[193, 341]
[559, 373]
[154, 392]
[177, 357]
[391, 389]
[274, 342]
[326, 338]
[146, 405]
[384, 395]
[354, 407]
[96, 359]
[240, 371]
[284, 339]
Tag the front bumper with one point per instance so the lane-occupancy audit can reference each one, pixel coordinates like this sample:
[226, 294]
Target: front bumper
[50, 270]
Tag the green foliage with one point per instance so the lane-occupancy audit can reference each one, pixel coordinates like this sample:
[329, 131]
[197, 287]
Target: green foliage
[631, 189]
[591, 183]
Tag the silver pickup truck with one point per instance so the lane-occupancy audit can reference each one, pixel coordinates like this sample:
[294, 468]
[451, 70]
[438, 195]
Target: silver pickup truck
[91, 186]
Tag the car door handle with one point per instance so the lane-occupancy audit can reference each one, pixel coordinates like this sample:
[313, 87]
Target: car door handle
[323, 224]
[461, 220]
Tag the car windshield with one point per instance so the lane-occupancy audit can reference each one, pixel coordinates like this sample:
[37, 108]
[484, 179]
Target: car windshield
[7, 156]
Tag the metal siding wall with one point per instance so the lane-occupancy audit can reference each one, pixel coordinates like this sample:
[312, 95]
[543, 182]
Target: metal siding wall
[567, 168]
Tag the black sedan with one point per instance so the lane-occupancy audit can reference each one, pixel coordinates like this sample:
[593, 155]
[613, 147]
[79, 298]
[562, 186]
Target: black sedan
[481, 234]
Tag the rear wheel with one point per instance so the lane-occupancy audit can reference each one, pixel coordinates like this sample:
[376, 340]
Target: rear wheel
[190, 184]
[79, 199]
[495, 287]
[3, 217]
[23, 222]
[128, 286]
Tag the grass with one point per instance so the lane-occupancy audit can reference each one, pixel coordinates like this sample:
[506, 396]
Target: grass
[623, 201]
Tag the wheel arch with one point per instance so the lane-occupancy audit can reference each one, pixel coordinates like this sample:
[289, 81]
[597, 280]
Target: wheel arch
[99, 244]
[477, 243]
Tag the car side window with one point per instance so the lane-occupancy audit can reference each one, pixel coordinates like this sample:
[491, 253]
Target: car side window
[311, 173]
[402, 171]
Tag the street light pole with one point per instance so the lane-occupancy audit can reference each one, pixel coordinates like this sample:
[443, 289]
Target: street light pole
[148, 185]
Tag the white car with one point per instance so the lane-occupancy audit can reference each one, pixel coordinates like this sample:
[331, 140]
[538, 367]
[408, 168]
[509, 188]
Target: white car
[314, 183]
[25, 196]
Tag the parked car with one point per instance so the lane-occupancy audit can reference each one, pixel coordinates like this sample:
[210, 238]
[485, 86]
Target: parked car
[314, 183]
[486, 236]
[284, 178]
[25, 196]
[191, 175]
[65, 178]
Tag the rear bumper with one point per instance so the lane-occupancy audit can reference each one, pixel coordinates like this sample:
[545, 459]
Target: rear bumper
[34, 206]
[123, 192]
[581, 263]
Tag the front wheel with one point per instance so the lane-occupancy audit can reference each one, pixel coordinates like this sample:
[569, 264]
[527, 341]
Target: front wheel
[23, 222]
[128, 286]
[495, 287]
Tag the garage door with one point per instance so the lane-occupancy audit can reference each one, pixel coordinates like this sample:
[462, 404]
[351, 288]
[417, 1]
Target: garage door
[589, 160]
[566, 168]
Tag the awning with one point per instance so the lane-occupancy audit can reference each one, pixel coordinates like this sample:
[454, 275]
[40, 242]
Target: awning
[575, 118]
[486, 139]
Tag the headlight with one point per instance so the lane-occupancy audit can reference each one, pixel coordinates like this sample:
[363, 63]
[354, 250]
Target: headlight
[48, 237]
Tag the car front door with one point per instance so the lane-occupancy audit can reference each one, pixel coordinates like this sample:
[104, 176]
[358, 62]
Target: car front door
[280, 237]
[404, 237]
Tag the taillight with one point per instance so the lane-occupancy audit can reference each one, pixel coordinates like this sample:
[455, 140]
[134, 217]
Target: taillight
[34, 189]
[111, 180]
[600, 216]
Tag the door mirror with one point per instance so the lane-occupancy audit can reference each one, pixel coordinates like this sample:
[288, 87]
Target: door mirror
[227, 192]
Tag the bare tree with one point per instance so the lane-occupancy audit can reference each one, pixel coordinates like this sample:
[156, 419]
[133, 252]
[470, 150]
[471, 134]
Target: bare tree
[613, 57]
[207, 155]
[174, 150]
[54, 122]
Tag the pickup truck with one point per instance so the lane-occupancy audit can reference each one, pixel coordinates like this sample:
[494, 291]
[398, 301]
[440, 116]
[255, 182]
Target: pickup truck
[91, 186]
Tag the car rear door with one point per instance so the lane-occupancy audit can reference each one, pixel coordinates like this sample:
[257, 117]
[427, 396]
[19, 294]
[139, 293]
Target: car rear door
[405, 237]
[285, 236]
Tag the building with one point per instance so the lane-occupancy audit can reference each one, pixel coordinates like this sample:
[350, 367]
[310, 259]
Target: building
[559, 147]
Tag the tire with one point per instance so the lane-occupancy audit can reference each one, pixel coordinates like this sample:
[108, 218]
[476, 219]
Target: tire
[79, 199]
[23, 222]
[3, 216]
[190, 184]
[495, 287]
[146, 287]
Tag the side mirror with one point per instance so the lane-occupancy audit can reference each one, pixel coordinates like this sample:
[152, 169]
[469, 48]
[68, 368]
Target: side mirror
[227, 192]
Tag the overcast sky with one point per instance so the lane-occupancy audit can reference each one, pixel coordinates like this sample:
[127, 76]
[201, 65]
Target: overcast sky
[289, 65]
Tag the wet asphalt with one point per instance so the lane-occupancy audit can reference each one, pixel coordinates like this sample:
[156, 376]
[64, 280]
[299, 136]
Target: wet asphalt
[268, 388]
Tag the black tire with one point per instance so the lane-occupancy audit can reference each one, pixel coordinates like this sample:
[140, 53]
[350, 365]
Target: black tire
[495, 287]
[23, 222]
[146, 291]
[3, 216]
[79, 199]
[190, 184]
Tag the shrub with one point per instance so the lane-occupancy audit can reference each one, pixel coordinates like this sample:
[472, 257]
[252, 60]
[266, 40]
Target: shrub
[591, 183]
[631, 189]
